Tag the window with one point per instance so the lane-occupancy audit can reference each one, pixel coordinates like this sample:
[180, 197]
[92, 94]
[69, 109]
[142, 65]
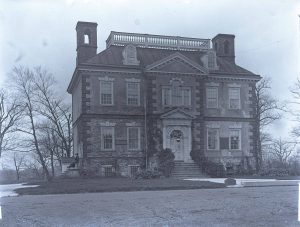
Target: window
[212, 139]
[133, 170]
[106, 92]
[107, 138]
[234, 98]
[235, 139]
[166, 96]
[176, 96]
[186, 96]
[212, 97]
[133, 94]
[133, 138]
[86, 39]
[108, 171]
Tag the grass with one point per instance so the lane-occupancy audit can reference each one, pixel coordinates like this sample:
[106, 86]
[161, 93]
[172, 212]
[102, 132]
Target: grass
[81, 185]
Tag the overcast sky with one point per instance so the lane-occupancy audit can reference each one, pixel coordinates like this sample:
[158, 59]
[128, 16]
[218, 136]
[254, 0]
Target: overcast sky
[43, 32]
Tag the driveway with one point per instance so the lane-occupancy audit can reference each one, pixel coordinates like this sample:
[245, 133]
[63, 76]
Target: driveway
[254, 206]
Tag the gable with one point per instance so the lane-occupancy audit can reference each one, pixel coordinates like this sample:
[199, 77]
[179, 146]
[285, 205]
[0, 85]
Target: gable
[176, 63]
[177, 114]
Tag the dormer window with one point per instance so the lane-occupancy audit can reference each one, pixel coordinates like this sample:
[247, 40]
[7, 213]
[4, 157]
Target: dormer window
[210, 59]
[130, 55]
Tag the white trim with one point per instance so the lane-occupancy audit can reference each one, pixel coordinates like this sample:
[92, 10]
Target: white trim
[239, 98]
[212, 84]
[139, 139]
[107, 124]
[217, 97]
[106, 78]
[112, 93]
[132, 124]
[234, 85]
[213, 125]
[138, 93]
[218, 139]
[133, 80]
[113, 138]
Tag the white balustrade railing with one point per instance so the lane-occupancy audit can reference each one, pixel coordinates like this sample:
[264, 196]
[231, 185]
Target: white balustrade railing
[157, 41]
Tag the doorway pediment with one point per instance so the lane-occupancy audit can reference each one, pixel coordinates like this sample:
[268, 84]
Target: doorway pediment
[177, 114]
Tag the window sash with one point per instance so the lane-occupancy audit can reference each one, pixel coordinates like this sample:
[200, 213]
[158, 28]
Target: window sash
[106, 92]
[107, 137]
[166, 96]
[133, 138]
[133, 94]
[212, 139]
[176, 96]
[235, 139]
[234, 98]
[212, 97]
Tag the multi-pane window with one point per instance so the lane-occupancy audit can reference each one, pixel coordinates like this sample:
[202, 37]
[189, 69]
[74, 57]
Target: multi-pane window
[108, 171]
[107, 138]
[133, 170]
[212, 139]
[106, 92]
[235, 139]
[212, 97]
[176, 96]
[234, 98]
[133, 137]
[166, 96]
[133, 94]
[186, 97]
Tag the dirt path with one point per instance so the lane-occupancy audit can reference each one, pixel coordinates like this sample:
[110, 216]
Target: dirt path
[261, 206]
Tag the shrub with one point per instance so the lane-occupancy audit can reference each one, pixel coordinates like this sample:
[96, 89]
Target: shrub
[274, 172]
[166, 162]
[147, 174]
[213, 169]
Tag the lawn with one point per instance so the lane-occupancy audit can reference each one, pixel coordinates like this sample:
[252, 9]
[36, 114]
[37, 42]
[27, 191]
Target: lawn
[80, 185]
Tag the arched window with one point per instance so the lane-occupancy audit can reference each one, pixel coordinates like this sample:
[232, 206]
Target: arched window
[226, 47]
[86, 39]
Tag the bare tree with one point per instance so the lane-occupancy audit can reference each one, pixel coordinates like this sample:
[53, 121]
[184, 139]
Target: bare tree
[10, 114]
[23, 80]
[19, 161]
[282, 150]
[295, 113]
[53, 108]
[267, 110]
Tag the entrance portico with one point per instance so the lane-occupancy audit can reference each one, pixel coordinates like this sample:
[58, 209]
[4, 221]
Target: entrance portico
[177, 134]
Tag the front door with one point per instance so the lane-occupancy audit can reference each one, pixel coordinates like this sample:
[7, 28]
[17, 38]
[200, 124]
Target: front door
[176, 144]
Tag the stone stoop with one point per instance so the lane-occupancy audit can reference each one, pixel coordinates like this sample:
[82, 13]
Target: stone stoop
[187, 170]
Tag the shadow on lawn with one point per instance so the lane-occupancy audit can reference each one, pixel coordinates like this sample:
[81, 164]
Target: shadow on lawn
[99, 184]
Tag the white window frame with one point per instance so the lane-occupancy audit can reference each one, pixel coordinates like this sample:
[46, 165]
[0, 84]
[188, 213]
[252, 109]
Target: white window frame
[139, 138]
[138, 93]
[217, 97]
[112, 92]
[240, 138]
[163, 95]
[129, 169]
[218, 138]
[172, 101]
[182, 95]
[239, 98]
[102, 139]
